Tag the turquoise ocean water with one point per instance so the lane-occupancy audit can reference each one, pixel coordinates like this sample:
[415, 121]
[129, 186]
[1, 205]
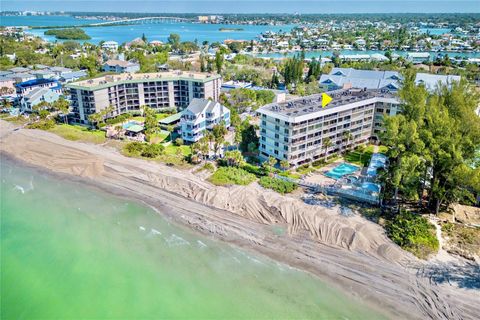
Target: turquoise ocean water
[69, 251]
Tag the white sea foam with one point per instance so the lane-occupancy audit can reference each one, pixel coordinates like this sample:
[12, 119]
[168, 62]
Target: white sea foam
[20, 188]
[155, 231]
[175, 240]
[141, 228]
[201, 244]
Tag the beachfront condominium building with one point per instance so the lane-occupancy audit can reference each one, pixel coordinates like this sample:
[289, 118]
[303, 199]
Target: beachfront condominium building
[298, 130]
[127, 92]
[201, 115]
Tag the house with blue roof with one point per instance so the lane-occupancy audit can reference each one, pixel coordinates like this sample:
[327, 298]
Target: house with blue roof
[27, 86]
[340, 78]
[23, 89]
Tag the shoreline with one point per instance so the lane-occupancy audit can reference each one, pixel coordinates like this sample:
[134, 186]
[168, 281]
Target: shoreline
[386, 282]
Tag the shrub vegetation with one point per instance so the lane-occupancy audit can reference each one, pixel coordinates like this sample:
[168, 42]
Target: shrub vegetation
[137, 149]
[281, 186]
[413, 233]
[231, 175]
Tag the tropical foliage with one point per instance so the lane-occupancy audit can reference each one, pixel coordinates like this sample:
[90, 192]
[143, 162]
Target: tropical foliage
[279, 185]
[432, 145]
[413, 233]
[231, 175]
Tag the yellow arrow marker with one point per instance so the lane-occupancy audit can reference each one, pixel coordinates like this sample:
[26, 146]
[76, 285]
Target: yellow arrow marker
[326, 99]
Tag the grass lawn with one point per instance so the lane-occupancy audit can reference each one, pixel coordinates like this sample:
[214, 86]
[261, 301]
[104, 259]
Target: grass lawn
[15, 119]
[137, 118]
[79, 133]
[172, 150]
[159, 137]
[361, 156]
[290, 174]
[305, 170]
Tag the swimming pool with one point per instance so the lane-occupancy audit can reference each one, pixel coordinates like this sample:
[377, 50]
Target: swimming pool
[371, 187]
[129, 124]
[341, 170]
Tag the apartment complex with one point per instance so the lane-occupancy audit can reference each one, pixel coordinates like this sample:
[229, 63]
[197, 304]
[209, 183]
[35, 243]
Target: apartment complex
[127, 92]
[340, 78]
[296, 130]
[120, 66]
[345, 78]
[201, 115]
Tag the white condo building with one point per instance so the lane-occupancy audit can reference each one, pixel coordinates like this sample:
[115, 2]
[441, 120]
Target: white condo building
[296, 130]
[127, 92]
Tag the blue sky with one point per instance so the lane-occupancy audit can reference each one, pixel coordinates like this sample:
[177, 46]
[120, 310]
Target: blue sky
[247, 6]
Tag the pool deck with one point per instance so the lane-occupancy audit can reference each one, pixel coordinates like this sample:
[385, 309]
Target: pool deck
[319, 178]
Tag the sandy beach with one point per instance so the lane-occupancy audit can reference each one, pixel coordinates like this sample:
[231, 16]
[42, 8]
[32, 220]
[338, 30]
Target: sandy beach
[351, 253]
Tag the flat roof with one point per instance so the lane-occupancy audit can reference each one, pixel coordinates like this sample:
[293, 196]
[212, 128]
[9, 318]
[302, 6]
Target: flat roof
[110, 80]
[313, 103]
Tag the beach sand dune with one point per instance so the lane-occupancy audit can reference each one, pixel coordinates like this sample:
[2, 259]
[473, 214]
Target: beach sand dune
[351, 253]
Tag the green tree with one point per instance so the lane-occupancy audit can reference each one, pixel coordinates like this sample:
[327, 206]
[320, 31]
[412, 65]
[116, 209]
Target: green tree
[234, 158]
[249, 136]
[219, 61]
[63, 106]
[284, 164]
[219, 131]
[431, 144]
[174, 40]
[347, 135]
[269, 164]
[151, 124]
[327, 144]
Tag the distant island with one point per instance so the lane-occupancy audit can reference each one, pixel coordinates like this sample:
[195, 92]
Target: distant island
[230, 29]
[68, 34]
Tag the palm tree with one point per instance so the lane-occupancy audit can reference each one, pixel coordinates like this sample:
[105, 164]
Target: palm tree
[284, 164]
[63, 106]
[348, 136]
[170, 130]
[108, 110]
[95, 118]
[327, 143]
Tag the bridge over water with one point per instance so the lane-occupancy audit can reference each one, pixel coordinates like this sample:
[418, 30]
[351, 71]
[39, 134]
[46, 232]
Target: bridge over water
[132, 21]
[144, 20]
